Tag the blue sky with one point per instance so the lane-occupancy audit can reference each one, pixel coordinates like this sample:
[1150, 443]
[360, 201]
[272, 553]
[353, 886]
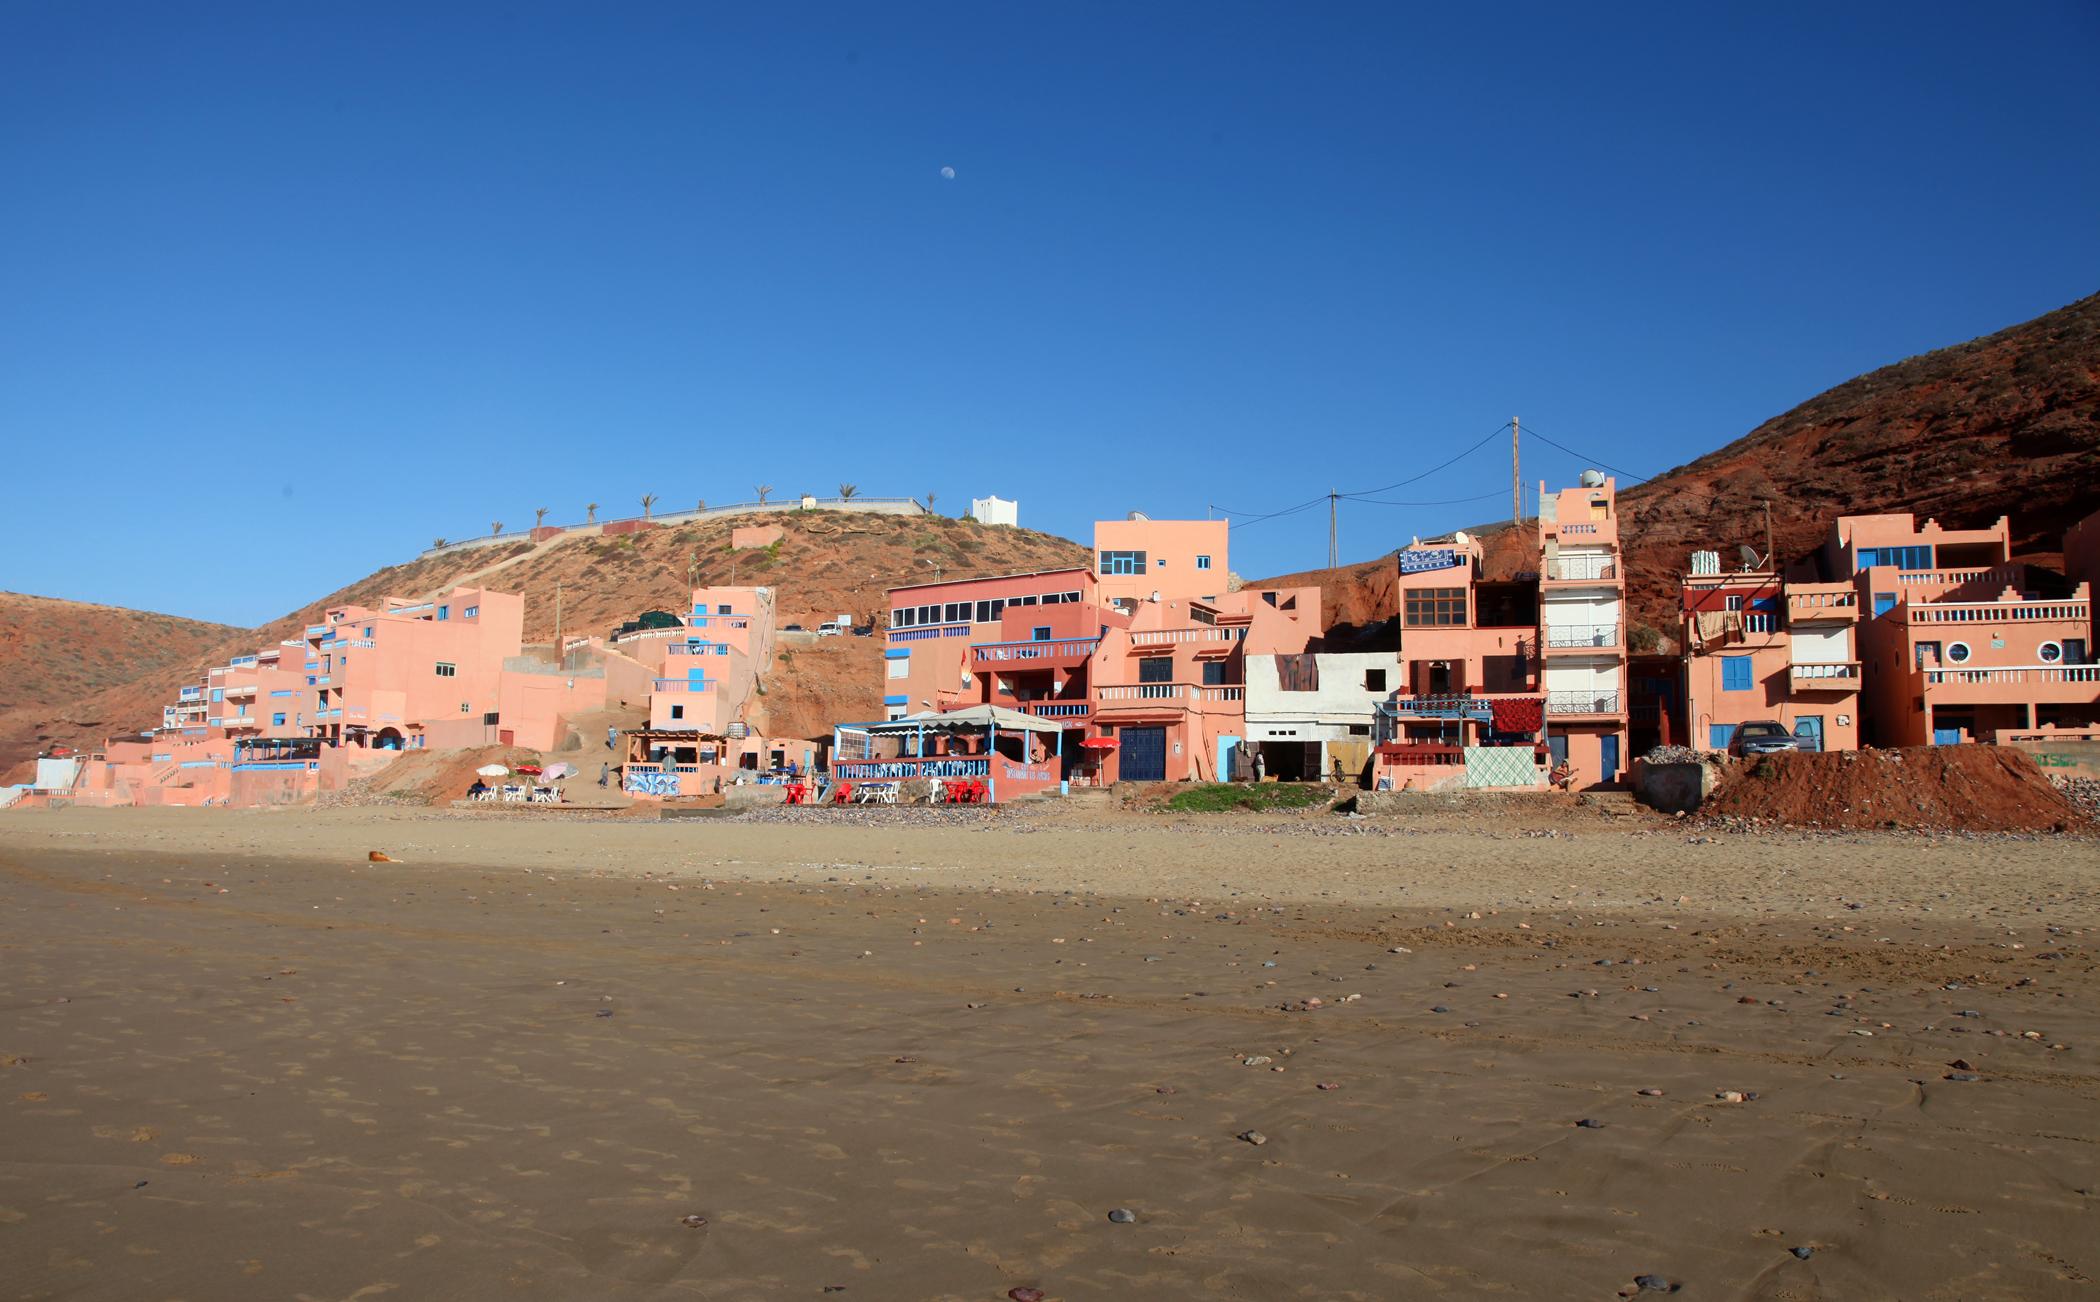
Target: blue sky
[288, 290]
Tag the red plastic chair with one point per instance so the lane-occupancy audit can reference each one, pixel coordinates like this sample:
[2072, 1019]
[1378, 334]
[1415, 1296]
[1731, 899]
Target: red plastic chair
[842, 793]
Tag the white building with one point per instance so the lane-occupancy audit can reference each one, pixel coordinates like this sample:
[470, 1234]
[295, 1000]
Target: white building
[995, 510]
[1321, 718]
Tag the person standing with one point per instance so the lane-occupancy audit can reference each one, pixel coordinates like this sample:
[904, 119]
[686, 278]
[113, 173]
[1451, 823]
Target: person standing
[1261, 768]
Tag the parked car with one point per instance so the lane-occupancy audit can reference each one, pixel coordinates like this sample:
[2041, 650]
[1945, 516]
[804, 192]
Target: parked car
[829, 630]
[1761, 737]
[865, 630]
[791, 628]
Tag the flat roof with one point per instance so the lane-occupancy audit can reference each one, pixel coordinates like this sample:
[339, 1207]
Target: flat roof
[994, 578]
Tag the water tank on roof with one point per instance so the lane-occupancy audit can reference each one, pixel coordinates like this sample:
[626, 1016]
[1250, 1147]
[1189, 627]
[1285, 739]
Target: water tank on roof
[1592, 479]
[1706, 562]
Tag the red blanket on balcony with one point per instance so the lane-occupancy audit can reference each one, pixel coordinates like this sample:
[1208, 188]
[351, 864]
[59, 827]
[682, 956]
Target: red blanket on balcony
[1517, 714]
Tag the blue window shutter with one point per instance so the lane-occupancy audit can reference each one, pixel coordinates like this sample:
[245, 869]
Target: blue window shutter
[1884, 602]
[1718, 735]
[1735, 673]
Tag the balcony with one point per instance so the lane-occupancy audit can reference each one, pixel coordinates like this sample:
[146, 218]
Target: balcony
[190, 694]
[1078, 711]
[1068, 654]
[1581, 570]
[680, 686]
[1582, 637]
[1172, 636]
[1182, 694]
[1443, 707]
[1832, 676]
[1577, 705]
[317, 630]
[1809, 602]
[2002, 612]
[2065, 683]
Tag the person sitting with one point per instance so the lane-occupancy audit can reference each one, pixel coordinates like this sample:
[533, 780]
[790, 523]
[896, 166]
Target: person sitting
[478, 790]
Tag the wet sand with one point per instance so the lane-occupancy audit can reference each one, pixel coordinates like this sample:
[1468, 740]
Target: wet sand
[904, 1062]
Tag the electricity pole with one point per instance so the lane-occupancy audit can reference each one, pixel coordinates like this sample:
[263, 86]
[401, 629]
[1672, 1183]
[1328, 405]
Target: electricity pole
[1516, 478]
[557, 621]
[1334, 556]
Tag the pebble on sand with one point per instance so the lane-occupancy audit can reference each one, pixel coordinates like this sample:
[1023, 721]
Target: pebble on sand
[1803, 1253]
[1025, 1294]
[1254, 1137]
[1590, 1123]
[1122, 1216]
[693, 1222]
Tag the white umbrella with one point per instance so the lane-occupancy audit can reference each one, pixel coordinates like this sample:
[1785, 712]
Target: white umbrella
[492, 770]
[557, 771]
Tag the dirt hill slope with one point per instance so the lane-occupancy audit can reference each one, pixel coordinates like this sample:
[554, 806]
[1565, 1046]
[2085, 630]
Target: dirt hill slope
[55, 652]
[826, 563]
[2004, 425]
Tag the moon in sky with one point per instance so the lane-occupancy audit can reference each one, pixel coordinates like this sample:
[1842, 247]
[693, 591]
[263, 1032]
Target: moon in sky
[947, 174]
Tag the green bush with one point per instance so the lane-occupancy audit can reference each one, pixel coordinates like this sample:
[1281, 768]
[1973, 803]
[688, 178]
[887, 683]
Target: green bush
[1219, 797]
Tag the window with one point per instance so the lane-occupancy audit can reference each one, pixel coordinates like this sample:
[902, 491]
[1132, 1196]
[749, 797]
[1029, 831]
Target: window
[1359, 729]
[1042, 632]
[678, 712]
[956, 612]
[368, 630]
[1202, 562]
[897, 668]
[1734, 602]
[1436, 608]
[470, 612]
[1156, 669]
[446, 669]
[1718, 735]
[1884, 602]
[444, 612]
[277, 721]
[2050, 653]
[1122, 562]
[1213, 673]
[1902, 558]
[218, 693]
[1374, 680]
[724, 609]
[1022, 601]
[1735, 673]
[1957, 653]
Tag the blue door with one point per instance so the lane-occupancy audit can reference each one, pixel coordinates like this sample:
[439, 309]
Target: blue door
[1226, 747]
[1141, 755]
[1608, 757]
[1808, 732]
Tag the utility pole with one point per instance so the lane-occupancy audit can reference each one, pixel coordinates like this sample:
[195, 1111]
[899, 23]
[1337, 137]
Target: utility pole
[1516, 478]
[1334, 556]
[1770, 559]
[557, 620]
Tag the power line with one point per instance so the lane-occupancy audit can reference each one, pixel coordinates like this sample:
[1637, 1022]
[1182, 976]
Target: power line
[1449, 501]
[1583, 456]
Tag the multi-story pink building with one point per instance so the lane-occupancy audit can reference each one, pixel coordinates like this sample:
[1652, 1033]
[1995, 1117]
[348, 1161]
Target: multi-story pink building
[1582, 628]
[704, 666]
[422, 673]
[1139, 559]
[1759, 648]
[1958, 641]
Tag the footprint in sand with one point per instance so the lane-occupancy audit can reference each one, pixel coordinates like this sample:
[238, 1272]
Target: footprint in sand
[178, 1159]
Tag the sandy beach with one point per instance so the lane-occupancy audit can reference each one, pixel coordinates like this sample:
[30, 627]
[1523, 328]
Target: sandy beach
[576, 1056]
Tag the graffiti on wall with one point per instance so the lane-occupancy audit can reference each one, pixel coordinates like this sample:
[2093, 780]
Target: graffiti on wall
[646, 783]
[948, 768]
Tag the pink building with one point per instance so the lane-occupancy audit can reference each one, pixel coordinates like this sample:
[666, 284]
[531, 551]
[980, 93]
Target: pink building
[1140, 559]
[1466, 708]
[412, 673]
[1757, 648]
[705, 664]
[1959, 642]
[1582, 629]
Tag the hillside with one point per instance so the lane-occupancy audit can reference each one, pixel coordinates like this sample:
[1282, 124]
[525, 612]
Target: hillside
[826, 563]
[2004, 425]
[54, 652]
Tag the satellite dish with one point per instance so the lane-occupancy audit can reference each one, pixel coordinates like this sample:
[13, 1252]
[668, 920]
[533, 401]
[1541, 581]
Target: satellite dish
[1460, 538]
[1593, 479]
[1748, 554]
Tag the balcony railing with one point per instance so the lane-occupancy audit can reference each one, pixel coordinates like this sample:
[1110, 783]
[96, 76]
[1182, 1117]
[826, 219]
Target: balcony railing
[698, 648]
[931, 631]
[1169, 636]
[680, 685]
[1832, 676]
[1952, 578]
[1582, 569]
[2022, 674]
[191, 693]
[986, 653]
[316, 630]
[1564, 636]
[1173, 692]
[1058, 709]
[1806, 601]
[1443, 707]
[1995, 612]
[1566, 703]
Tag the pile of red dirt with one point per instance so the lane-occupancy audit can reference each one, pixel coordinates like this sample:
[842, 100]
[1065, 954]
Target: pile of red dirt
[1941, 788]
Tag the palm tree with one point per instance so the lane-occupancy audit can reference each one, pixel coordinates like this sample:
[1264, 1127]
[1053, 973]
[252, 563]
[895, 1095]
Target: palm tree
[929, 501]
[539, 516]
[495, 527]
[847, 492]
[590, 513]
[648, 500]
[700, 505]
[763, 489]
[437, 542]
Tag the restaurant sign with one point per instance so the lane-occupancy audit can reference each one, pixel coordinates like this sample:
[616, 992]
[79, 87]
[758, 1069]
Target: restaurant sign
[1417, 562]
